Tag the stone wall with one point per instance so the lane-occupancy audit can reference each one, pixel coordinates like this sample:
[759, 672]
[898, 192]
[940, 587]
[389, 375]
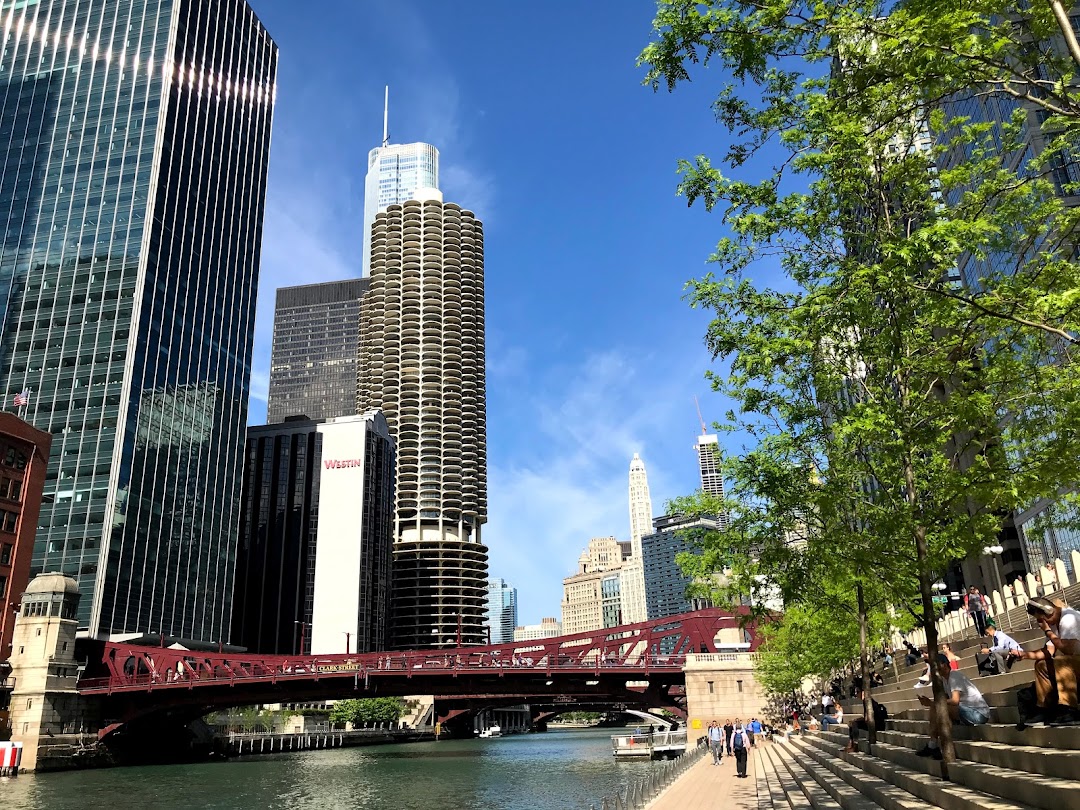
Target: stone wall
[721, 686]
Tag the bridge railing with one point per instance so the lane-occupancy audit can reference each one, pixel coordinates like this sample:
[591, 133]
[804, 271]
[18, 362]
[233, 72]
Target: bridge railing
[660, 645]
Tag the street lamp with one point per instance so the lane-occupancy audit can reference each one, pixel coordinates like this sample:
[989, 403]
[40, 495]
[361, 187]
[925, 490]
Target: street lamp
[994, 552]
[938, 587]
[303, 634]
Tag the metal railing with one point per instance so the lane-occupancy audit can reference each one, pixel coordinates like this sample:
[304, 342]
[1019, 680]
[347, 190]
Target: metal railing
[637, 795]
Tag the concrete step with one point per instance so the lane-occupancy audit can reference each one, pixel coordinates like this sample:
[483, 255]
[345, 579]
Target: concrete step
[998, 714]
[1004, 777]
[771, 793]
[1065, 738]
[797, 799]
[884, 793]
[1027, 758]
[932, 790]
[841, 791]
[794, 776]
[1047, 792]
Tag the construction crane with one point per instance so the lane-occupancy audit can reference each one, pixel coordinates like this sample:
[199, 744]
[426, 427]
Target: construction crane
[697, 405]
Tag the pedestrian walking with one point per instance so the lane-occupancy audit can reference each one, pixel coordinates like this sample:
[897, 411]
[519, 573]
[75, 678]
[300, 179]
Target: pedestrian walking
[975, 603]
[740, 744]
[716, 742]
[729, 729]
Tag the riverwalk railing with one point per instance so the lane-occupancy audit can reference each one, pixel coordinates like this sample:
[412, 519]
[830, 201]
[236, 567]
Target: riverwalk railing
[637, 795]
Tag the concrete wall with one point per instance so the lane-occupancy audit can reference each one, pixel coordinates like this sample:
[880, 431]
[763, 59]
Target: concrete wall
[721, 686]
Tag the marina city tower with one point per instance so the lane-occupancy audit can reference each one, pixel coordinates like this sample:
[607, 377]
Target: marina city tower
[134, 137]
[422, 364]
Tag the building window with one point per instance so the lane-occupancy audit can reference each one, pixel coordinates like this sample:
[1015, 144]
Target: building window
[38, 631]
[3, 582]
[7, 551]
[739, 684]
[63, 648]
[29, 703]
[710, 687]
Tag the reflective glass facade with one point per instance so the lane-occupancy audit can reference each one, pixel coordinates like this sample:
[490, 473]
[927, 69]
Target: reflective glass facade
[395, 173]
[134, 138]
[313, 359]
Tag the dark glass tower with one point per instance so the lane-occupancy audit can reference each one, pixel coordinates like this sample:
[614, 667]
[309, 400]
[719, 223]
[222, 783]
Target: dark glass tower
[134, 138]
[313, 360]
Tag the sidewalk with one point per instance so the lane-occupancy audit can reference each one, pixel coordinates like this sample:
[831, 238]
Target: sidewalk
[706, 786]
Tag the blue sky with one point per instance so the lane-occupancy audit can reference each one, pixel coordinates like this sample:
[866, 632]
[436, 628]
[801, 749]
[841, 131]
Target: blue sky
[546, 133]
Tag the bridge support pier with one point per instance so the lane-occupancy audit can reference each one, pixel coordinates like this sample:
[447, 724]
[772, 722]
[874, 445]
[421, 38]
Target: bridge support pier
[57, 726]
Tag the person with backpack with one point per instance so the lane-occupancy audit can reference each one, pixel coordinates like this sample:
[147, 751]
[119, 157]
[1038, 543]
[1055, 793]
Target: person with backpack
[740, 744]
[996, 650]
[716, 742]
[881, 715]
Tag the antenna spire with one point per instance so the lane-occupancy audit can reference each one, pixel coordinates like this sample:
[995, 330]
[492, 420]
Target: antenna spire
[386, 117]
[697, 405]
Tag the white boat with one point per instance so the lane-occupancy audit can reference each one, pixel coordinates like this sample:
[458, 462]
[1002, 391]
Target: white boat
[493, 731]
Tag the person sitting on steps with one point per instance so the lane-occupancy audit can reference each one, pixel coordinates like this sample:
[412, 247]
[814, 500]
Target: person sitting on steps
[1057, 663]
[881, 715]
[967, 706]
[998, 649]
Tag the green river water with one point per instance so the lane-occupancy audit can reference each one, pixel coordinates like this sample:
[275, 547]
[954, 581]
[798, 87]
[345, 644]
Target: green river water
[557, 770]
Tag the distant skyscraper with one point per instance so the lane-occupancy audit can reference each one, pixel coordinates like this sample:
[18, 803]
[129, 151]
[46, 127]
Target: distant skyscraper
[313, 359]
[640, 504]
[501, 611]
[665, 583]
[592, 598]
[633, 577]
[396, 172]
[712, 476]
[134, 144]
[548, 628]
[422, 364]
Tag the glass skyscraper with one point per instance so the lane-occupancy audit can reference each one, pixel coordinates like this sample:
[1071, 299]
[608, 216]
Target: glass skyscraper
[313, 358]
[395, 173]
[134, 138]
[501, 610]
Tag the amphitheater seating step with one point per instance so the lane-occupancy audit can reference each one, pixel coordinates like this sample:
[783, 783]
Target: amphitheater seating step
[930, 789]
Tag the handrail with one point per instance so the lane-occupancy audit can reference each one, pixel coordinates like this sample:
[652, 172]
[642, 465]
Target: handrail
[637, 795]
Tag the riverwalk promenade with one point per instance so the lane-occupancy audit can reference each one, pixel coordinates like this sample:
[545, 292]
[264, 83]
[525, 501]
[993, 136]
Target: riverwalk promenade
[706, 786]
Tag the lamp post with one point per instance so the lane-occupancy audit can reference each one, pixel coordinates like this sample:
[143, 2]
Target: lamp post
[348, 638]
[994, 553]
[939, 587]
[303, 634]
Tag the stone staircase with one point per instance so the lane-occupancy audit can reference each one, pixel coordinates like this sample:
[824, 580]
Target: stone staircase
[997, 767]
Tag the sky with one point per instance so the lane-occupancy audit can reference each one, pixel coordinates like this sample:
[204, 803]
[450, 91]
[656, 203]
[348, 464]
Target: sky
[546, 132]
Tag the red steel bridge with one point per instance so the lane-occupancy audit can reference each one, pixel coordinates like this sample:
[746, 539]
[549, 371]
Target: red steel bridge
[634, 665]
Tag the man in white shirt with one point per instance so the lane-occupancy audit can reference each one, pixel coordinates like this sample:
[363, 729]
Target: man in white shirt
[999, 646]
[1057, 663]
[967, 706]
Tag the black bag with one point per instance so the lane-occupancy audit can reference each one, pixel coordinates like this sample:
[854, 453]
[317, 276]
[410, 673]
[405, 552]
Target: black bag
[987, 664]
[1027, 704]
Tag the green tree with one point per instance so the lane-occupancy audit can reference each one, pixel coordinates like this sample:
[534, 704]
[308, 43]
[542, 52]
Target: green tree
[891, 413]
[367, 711]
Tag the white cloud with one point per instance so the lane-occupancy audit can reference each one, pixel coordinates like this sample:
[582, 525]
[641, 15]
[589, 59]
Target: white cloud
[562, 478]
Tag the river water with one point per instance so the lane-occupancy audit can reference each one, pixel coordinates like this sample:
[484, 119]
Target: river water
[558, 770]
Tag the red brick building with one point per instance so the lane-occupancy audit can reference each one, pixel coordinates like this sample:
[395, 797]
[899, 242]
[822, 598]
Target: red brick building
[24, 456]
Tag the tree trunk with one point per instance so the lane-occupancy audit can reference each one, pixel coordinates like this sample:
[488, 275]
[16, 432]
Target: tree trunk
[864, 669]
[940, 723]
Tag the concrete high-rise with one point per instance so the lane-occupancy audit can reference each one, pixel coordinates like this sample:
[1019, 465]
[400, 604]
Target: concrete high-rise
[501, 610]
[633, 576]
[313, 357]
[422, 364]
[134, 144]
[396, 173]
[712, 476]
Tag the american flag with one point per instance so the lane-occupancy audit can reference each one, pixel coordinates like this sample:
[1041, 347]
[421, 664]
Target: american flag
[22, 398]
